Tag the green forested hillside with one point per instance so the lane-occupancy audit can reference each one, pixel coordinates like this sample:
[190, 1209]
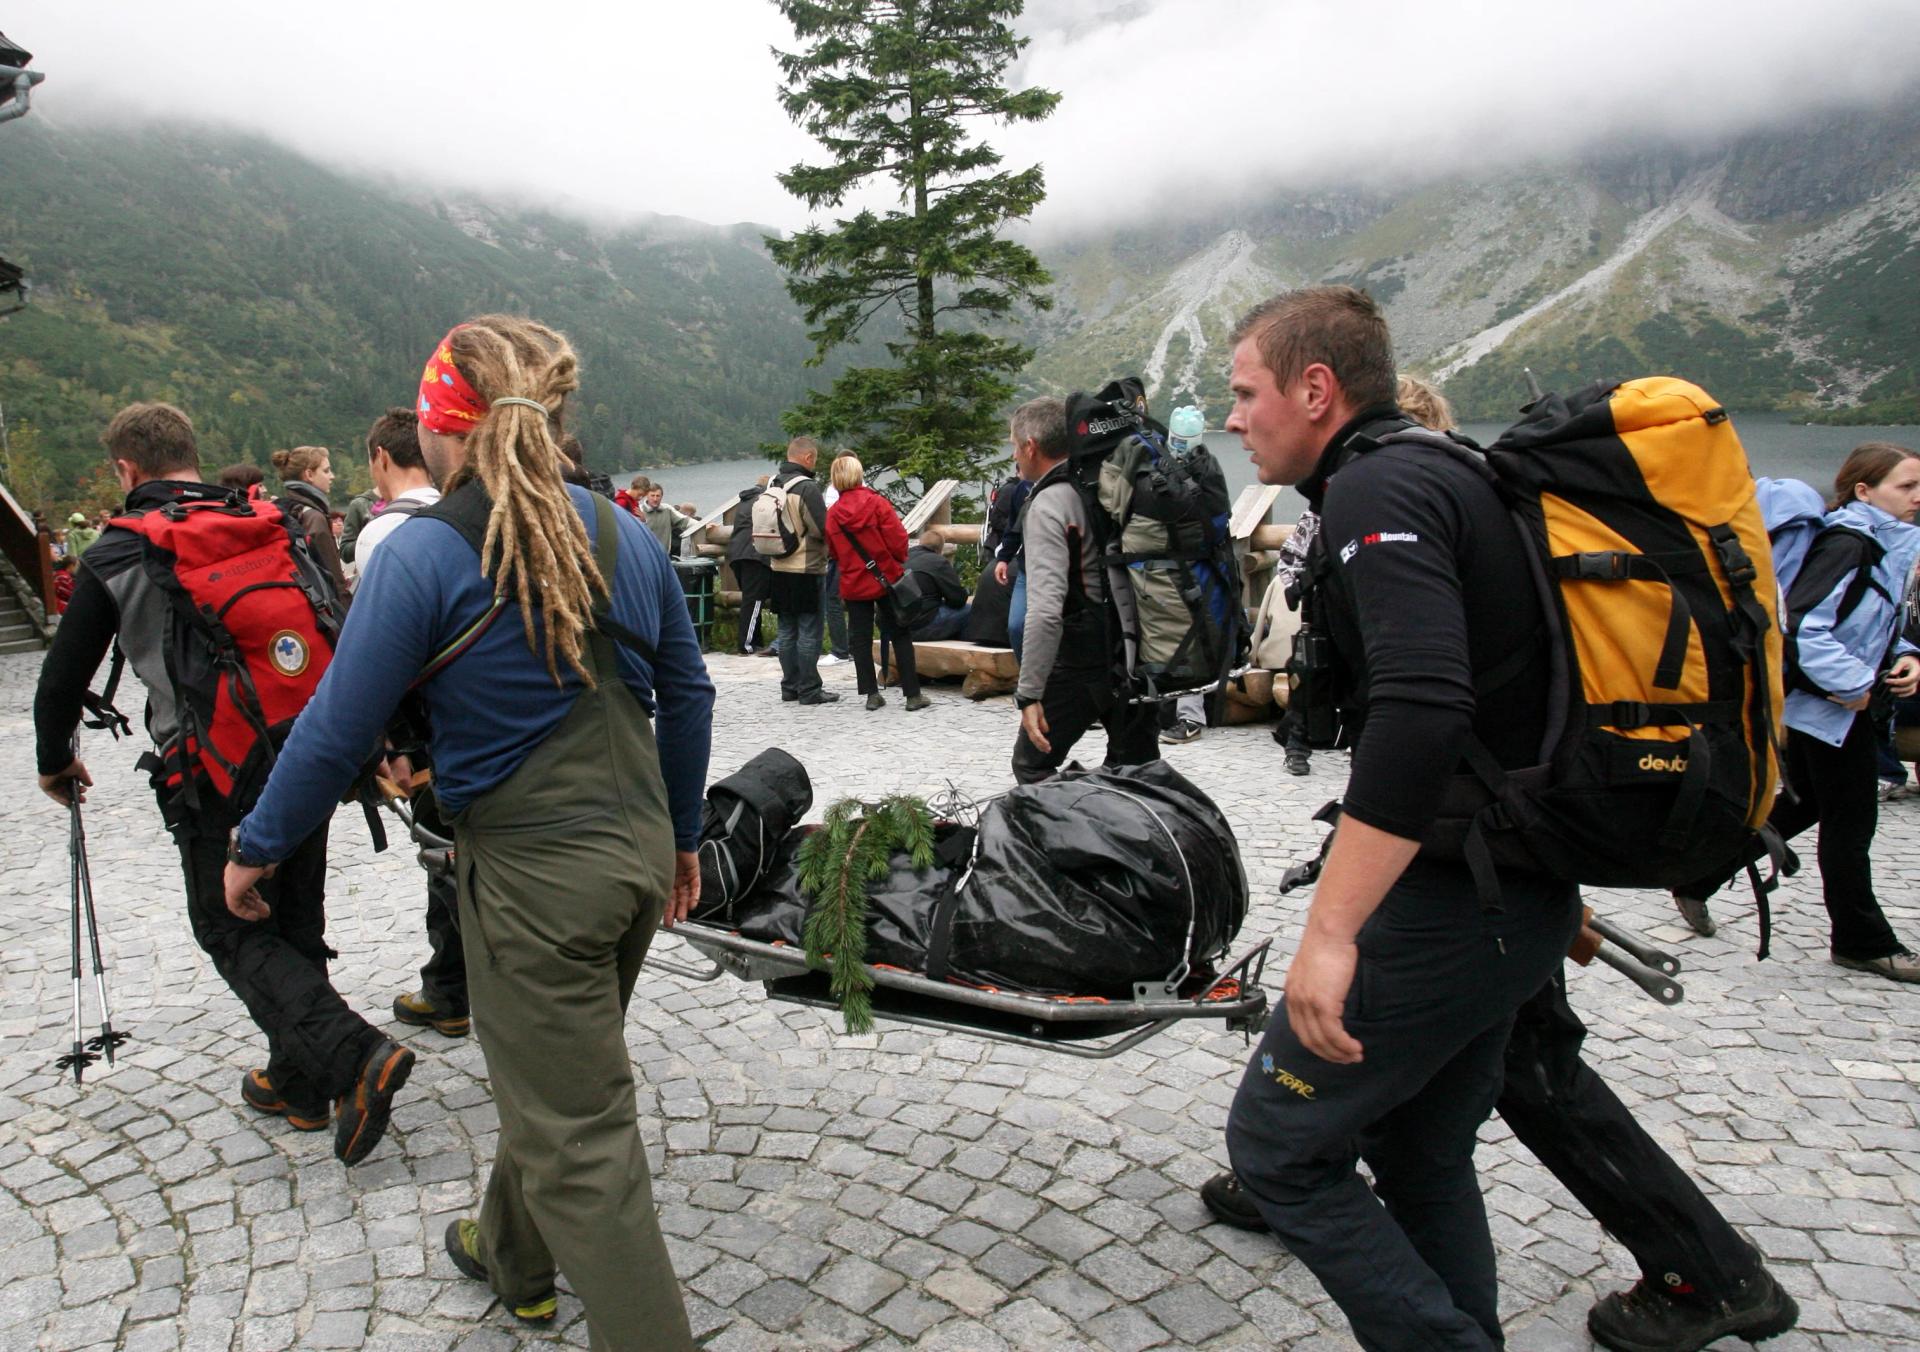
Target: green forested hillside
[280, 302]
[283, 302]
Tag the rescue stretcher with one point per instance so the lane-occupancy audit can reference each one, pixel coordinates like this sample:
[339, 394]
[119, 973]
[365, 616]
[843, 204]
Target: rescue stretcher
[1090, 1027]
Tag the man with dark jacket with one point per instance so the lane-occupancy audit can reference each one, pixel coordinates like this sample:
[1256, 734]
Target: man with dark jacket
[1067, 675]
[929, 557]
[799, 577]
[1003, 526]
[1402, 995]
[317, 1048]
[749, 569]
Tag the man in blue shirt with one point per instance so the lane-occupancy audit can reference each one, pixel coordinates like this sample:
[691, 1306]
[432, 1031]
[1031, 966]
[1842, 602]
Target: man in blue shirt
[574, 830]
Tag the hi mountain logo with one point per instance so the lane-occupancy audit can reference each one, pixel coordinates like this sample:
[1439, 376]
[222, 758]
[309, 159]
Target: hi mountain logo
[1379, 537]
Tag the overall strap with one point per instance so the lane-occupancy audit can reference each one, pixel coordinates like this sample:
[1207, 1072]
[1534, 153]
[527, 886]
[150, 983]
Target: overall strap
[598, 649]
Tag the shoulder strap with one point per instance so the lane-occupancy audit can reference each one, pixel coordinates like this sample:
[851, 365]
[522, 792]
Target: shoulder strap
[866, 559]
[1863, 580]
[606, 556]
[403, 507]
[467, 509]
[468, 514]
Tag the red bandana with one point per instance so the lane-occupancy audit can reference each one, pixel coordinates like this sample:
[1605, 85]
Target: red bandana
[448, 405]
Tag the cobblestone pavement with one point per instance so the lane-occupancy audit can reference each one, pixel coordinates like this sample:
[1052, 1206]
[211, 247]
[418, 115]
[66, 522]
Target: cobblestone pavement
[902, 1189]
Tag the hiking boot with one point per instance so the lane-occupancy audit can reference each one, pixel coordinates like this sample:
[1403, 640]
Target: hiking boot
[1228, 1202]
[419, 1011]
[820, 697]
[1645, 1318]
[1298, 764]
[361, 1113]
[876, 702]
[262, 1097]
[917, 703]
[1900, 965]
[1185, 730]
[462, 1237]
[1694, 911]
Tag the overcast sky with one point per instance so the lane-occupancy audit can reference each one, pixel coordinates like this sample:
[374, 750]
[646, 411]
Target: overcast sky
[668, 105]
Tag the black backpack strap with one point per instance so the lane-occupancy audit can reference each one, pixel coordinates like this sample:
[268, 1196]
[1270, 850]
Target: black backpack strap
[104, 715]
[467, 509]
[955, 854]
[866, 559]
[1775, 850]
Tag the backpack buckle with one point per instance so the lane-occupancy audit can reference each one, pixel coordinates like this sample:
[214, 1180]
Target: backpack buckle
[1733, 559]
[1605, 565]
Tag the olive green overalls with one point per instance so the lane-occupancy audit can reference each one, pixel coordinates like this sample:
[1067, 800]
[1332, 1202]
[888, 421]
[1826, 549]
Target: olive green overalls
[564, 871]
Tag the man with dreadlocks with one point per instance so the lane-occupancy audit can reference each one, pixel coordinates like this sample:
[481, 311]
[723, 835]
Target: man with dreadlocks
[574, 831]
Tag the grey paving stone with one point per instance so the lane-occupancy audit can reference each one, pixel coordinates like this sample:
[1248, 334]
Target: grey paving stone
[857, 1284]
[1192, 1312]
[810, 1181]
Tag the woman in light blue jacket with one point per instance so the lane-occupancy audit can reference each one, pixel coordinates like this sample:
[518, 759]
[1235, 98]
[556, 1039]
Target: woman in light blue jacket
[1842, 621]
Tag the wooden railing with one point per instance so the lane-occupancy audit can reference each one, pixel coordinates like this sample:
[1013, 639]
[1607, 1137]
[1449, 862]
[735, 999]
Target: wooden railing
[29, 548]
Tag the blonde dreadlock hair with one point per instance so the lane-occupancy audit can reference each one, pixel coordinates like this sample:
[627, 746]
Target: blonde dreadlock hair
[536, 547]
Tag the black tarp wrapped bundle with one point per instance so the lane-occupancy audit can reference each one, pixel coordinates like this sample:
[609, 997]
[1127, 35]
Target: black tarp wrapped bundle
[744, 829]
[1082, 885]
[1089, 882]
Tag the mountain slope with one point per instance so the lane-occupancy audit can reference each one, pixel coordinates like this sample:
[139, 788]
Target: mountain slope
[1781, 271]
[281, 302]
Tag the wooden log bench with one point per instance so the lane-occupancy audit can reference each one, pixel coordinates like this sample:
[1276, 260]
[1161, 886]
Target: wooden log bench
[983, 671]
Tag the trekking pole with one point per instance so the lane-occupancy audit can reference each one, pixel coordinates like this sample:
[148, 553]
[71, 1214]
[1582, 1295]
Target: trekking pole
[108, 1039]
[79, 1058]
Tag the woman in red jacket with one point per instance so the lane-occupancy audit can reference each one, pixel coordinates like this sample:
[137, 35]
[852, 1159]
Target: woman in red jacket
[862, 515]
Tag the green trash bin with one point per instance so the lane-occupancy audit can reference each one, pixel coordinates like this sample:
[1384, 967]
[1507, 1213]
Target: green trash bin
[699, 579]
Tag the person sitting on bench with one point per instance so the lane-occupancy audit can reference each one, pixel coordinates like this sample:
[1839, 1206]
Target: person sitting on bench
[955, 605]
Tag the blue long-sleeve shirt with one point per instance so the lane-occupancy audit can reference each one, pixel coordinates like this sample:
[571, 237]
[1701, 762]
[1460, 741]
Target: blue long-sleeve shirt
[489, 708]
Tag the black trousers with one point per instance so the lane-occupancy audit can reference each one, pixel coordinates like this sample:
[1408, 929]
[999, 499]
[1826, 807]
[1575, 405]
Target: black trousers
[1433, 999]
[1576, 1126]
[1838, 788]
[1074, 702]
[860, 620]
[443, 980]
[278, 966]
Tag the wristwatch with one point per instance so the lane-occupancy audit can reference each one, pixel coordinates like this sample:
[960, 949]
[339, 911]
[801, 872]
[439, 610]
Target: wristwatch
[236, 856]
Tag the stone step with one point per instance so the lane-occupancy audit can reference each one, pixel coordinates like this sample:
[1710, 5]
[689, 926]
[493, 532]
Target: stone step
[14, 629]
[30, 644]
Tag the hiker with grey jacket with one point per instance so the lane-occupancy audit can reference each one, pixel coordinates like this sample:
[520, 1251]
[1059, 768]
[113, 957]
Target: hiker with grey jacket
[1068, 669]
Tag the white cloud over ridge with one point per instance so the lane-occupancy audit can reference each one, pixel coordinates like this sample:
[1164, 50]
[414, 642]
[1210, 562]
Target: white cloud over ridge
[1208, 98]
[629, 106]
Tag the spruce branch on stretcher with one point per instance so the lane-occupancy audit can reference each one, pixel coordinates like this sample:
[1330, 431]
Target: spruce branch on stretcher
[852, 847]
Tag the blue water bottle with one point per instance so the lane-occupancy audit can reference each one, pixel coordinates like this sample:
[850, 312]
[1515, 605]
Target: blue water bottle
[1184, 429]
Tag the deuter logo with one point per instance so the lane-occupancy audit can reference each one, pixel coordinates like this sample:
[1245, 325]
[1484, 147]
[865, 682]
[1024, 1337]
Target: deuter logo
[1670, 764]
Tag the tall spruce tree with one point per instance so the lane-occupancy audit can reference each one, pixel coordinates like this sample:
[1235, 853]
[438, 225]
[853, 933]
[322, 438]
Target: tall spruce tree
[892, 89]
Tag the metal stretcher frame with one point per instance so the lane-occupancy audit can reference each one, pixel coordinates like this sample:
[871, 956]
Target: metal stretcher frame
[1087, 1028]
[1091, 1029]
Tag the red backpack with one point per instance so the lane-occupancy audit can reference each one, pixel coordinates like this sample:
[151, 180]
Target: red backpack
[255, 623]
